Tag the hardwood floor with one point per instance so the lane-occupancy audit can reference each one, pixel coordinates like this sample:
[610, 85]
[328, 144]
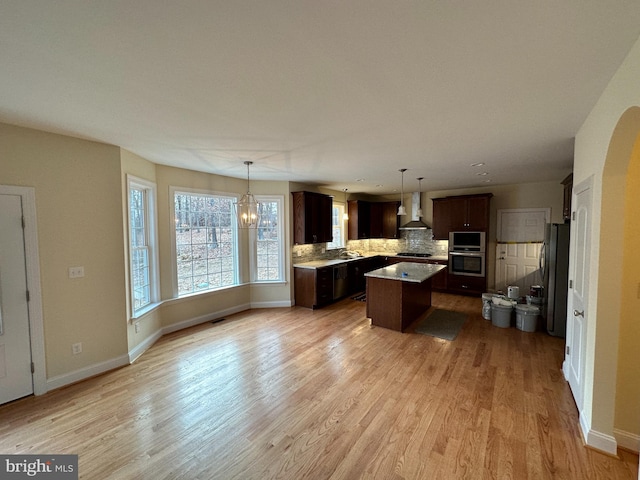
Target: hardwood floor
[295, 393]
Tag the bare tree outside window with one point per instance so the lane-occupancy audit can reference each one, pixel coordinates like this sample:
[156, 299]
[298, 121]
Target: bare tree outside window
[205, 242]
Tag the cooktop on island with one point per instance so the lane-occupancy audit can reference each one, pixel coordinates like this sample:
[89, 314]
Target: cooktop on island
[413, 254]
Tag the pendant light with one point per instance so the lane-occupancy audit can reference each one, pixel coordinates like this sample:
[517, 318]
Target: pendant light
[401, 209]
[247, 208]
[345, 215]
[419, 212]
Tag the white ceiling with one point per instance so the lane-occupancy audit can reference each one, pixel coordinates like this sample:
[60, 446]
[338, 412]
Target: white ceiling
[318, 91]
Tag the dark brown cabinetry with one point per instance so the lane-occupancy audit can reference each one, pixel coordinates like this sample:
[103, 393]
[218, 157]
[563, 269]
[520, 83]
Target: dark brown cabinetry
[460, 213]
[390, 219]
[373, 220]
[439, 282]
[312, 222]
[568, 190]
[313, 286]
[357, 269]
[466, 285]
[359, 220]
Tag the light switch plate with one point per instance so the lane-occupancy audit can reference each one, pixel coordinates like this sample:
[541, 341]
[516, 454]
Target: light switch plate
[76, 272]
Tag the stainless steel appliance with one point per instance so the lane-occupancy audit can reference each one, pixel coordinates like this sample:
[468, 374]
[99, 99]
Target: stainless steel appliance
[471, 264]
[467, 241]
[467, 254]
[554, 267]
[340, 285]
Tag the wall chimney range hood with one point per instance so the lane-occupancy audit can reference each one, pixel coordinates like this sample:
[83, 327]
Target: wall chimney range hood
[415, 223]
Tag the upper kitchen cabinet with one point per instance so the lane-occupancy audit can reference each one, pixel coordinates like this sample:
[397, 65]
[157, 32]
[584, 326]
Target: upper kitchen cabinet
[460, 213]
[373, 220]
[312, 222]
[359, 220]
[390, 219]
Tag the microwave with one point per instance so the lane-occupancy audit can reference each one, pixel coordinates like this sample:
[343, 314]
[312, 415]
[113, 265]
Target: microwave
[467, 241]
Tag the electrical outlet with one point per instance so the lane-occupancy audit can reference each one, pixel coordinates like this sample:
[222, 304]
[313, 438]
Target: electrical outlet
[137, 326]
[76, 348]
[76, 272]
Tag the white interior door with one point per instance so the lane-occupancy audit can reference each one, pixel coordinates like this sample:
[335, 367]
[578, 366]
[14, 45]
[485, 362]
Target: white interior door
[16, 379]
[518, 264]
[578, 315]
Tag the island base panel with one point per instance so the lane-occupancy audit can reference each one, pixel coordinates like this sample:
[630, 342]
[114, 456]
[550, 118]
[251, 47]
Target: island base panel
[395, 304]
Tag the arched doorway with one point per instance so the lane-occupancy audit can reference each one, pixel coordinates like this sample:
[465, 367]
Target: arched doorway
[617, 332]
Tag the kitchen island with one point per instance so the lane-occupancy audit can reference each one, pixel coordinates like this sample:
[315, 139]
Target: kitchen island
[399, 294]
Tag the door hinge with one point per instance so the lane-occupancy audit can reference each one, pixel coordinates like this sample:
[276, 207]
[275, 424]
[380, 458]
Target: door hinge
[28, 296]
[23, 223]
[33, 367]
[568, 350]
[570, 283]
[573, 216]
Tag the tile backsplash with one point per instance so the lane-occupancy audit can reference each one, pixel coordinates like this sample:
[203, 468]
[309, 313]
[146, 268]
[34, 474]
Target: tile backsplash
[418, 241]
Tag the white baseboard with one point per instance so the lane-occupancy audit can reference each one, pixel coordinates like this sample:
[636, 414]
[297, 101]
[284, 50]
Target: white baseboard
[598, 440]
[204, 318]
[274, 304]
[144, 345]
[86, 372]
[627, 440]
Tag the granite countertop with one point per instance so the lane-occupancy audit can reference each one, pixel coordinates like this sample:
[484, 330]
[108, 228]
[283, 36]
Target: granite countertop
[326, 263]
[407, 272]
[338, 261]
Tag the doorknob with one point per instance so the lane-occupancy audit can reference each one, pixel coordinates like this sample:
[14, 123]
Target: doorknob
[576, 313]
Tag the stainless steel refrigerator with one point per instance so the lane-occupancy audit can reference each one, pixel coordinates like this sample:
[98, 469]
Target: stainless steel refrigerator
[554, 263]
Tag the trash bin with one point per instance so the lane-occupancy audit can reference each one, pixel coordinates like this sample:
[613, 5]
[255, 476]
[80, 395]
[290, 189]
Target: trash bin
[527, 317]
[486, 305]
[501, 315]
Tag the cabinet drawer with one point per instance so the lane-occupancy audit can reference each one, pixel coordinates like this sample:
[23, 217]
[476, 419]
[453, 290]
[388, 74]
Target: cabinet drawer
[466, 285]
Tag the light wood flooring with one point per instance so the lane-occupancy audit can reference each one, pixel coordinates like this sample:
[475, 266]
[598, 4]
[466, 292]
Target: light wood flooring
[302, 394]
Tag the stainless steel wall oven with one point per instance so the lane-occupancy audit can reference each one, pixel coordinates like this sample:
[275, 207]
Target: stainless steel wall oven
[471, 264]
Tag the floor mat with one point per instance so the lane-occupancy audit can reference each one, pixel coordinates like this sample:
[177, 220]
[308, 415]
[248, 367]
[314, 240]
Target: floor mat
[443, 324]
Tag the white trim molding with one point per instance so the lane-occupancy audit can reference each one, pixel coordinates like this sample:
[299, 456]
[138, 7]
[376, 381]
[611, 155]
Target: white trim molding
[87, 372]
[627, 440]
[32, 256]
[598, 440]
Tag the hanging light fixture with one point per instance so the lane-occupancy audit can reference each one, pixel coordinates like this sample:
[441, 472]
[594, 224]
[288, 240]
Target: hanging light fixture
[419, 212]
[247, 208]
[401, 209]
[345, 215]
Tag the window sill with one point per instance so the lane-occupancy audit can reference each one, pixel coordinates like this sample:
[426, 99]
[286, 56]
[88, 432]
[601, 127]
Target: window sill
[145, 311]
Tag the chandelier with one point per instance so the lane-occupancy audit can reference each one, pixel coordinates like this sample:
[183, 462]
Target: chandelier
[247, 207]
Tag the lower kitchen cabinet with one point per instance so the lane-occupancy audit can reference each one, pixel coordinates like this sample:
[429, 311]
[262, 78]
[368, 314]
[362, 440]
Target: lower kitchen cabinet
[357, 269]
[313, 286]
[466, 285]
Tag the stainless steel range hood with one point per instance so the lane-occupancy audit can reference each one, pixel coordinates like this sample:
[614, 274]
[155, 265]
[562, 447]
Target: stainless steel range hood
[415, 223]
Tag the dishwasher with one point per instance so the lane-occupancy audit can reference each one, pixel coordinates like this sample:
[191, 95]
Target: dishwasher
[340, 285]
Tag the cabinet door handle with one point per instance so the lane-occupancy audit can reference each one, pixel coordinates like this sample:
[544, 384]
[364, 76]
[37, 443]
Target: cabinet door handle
[576, 313]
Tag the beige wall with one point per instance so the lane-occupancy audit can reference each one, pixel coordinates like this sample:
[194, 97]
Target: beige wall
[151, 322]
[79, 216]
[627, 416]
[603, 161]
